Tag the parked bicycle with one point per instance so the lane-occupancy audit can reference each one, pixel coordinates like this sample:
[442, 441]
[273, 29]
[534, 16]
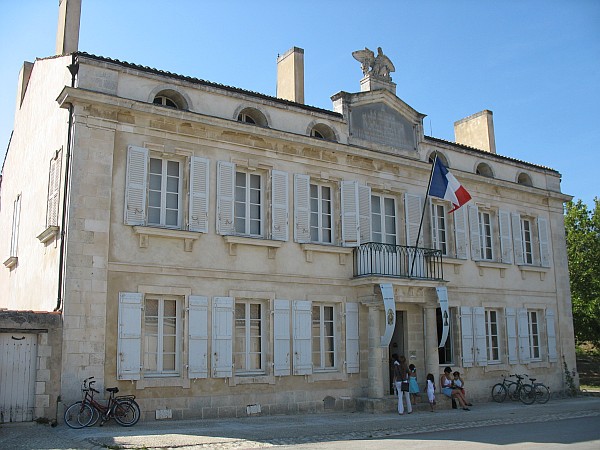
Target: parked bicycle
[515, 390]
[540, 391]
[86, 412]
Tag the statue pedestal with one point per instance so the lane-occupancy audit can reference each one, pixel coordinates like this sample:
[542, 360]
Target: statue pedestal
[373, 83]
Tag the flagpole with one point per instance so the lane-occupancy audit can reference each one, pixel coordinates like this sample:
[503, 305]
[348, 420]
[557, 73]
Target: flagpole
[412, 266]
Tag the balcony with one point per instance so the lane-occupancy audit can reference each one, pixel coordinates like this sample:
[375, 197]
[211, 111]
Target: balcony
[374, 259]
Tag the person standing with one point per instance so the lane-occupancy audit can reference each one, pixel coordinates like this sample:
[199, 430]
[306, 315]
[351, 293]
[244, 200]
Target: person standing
[431, 391]
[413, 385]
[401, 382]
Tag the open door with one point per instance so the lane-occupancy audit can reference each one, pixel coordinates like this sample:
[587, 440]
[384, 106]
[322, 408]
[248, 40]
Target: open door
[397, 345]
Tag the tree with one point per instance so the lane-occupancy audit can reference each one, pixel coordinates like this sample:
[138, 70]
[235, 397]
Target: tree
[583, 248]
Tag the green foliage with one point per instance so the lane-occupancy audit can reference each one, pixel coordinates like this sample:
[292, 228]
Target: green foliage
[583, 248]
[571, 388]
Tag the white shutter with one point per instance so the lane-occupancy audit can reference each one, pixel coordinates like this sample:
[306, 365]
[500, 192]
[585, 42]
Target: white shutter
[474, 233]
[15, 226]
[135, 190]
[349, 193]
[413, 208]
[222, 335]
[434, 224]
[352, 338]
[54, 190]
[129, 344]
[279, 206]
[302, 326]
[544, 243]
[460, 232]
[480, 339]
[301, 208]
[466, 325]
[364, 213]
[225, 197]
[199, 182]
[517, 238]
[523, 324]
[505, 237]
[551, 333]
[198, 336]
[281, 338]
[511, 333]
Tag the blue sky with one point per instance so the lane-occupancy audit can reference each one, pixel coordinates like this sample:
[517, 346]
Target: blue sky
[534, 63]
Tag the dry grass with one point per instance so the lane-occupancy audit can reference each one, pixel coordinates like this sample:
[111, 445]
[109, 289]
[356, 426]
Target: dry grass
[588, 366]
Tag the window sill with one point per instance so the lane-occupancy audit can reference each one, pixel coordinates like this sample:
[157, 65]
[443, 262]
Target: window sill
[152, 382]
[492, 265]
[48, 234]
[144, 233]
[11, 262]
[234, 241]
[343, 252]
[535, 269]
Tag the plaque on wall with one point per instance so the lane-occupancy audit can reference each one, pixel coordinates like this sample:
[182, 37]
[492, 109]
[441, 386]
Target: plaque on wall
[380, 124]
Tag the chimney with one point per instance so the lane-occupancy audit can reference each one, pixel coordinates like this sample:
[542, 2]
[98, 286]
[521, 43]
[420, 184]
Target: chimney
[290, 75]
[476, 131]
[67, 36]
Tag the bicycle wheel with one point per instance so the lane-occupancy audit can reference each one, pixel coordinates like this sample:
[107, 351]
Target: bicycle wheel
[513, 392]
[78, 415]
[126, 412]
[499, 392]
[95, 417]
[527, 394]
[542, 393]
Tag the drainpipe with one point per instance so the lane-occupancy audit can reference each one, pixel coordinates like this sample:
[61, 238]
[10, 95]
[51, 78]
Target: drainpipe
[73, 68]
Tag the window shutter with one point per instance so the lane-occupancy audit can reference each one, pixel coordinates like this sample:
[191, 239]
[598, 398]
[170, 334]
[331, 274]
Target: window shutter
[434, 223]
[301, 208]
[517, 238]
[523, 323]
[54, 190]
[474, 233]
[551, 333]
[511, 333]
[364, 213]
[198, 337]
[352, 338]
[279, 206]
[544, 244]
[14, 240]
[350, 232]
[413, 207]
[466, 325]
[129, 344]
[460, 232]
[302, 326]
[135, 190]
[225, 197]
[199, 182]
[281, 338]
[505, 237]
[222, 335]
[480, 338]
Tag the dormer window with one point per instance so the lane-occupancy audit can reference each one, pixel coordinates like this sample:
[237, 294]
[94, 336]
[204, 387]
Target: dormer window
[524, 179]
[441, 157]
[253, 116]
[484, 170]
[164, 101]
[170, 98]
[247, 118]
[322, 131]
[316, 134]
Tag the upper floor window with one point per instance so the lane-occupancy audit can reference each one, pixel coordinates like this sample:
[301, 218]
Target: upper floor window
[439, 227]
[164, 101]
[248, 204]
[322, 131]
[485, 236]
[253, 116]
[484, 170]
[170, 98]
[164, 193]
[321, 214]
[53, 204]
[524, 179]
[383, 219]
[526, 232]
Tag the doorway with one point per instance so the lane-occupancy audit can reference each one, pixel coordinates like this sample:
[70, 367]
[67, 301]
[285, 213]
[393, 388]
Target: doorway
[397, 345]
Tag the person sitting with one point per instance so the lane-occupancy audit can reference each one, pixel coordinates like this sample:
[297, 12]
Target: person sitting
[447, 384]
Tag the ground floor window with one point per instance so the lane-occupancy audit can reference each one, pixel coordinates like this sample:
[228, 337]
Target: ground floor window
[491, 335]
[446, 352]
[248, 338]
[323, 337]
[162, 335]
[534, 335]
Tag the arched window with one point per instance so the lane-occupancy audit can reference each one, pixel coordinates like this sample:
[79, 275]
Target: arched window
[170, 98]
[322, 131]
[524, 179]
[441, 157]
[484, 170]
[165, 101]
[253, 116]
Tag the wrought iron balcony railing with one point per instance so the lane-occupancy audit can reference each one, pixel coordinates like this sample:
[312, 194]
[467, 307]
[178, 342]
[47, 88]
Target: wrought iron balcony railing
[398, 261]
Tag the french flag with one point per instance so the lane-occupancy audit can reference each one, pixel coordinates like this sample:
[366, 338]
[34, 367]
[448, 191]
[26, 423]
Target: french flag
[444, 185]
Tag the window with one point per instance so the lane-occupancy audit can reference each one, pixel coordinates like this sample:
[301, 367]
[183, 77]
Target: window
[323, 337]
[534, 335]
[484, 170]
[491, 334]
[248, 352]
[171, 98]
[162, 335]
[164, 101]
[527, 241]
[439, 225]
[321, 217]
[247, 118]
[445, 353]
[531, 240]
[248, 204]
[54, 190]
[322, 131]
[524, 179]
[164, 193]
[252, 116]
[316, 133]
[485, 236]
[383, 219]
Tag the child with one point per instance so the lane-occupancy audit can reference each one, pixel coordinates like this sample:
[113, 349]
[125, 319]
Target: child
[458, 382]
[413, 386]
[431, 391]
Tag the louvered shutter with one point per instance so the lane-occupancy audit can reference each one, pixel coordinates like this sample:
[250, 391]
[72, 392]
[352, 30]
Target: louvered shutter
[517, 238]
[511, 333]
[523, 324]
[474, 233]
[281, 338]
[544, 242]
[301, 208]
[466, 325]
[222, 335]
[480, 338]
[413, 207]
[350, 233]
[198, 336]
[551, 334]
[279, 206]
[505, 237]
[199, 187]
[434, 224]
[135, 190]
[225, 197]
[352, 338]
[54, 190]
[364, 213]
[460, 232]
[302, 329]
[129, 343]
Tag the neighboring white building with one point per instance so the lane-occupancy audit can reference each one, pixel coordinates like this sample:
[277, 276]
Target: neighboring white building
[212, 248]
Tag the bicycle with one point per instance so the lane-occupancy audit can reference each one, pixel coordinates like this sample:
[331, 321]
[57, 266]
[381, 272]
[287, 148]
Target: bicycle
[540, 391]
[515, 390]
[86, 412]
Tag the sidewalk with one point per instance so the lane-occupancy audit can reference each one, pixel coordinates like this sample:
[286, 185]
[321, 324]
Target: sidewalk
[270, 431]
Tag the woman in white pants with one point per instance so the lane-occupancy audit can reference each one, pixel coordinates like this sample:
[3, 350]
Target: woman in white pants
[400, 376]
